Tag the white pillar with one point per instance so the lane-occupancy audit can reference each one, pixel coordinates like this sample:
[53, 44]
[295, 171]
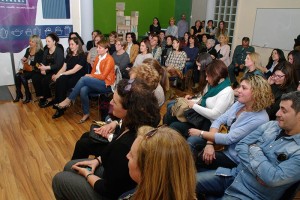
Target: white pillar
[87, 19]
[210, 11]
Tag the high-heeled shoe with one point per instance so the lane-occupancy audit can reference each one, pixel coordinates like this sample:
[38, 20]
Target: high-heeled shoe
[17, 99]
[58, 113]
[83, 120]
[27, 99]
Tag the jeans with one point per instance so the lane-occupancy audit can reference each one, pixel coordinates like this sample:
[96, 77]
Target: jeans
[213, 186]
[188, 66]
[173, 122]
[197, 145]
[87, 85]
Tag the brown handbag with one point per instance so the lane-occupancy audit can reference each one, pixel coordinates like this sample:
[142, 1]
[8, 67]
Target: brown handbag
[179, 108]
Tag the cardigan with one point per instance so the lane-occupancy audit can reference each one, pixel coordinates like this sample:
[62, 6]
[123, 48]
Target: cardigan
[107, 68]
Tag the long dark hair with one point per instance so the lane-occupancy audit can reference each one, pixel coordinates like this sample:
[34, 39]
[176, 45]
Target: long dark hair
[290, 78]
[140, 103]
[204, 59]
[281, 58]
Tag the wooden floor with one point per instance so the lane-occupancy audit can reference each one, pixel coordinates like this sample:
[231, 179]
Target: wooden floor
[34, 147]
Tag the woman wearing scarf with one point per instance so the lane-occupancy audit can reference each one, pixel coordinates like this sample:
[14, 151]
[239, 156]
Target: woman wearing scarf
[217, 98]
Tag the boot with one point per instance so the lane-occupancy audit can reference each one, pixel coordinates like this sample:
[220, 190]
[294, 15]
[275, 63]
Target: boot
[27, 99]
[18, 97]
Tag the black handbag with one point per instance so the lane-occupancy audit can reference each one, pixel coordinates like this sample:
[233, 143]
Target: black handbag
[197, 120]
[96, 137]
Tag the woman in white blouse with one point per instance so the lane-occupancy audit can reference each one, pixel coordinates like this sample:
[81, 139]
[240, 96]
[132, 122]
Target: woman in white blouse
[223, 49]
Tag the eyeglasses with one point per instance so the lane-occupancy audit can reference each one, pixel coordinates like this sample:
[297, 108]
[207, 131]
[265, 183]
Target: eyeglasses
[153, 131]
[277, 76]
[129, 85]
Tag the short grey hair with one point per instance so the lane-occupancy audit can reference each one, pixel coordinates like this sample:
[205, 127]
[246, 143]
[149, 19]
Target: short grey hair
[212, 42]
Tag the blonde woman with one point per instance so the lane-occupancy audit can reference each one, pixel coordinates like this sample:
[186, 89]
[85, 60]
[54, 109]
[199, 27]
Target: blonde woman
[243, 117]
[166, 172]
[33, 56]
[172, 29]
[151, 77]
[223, 49]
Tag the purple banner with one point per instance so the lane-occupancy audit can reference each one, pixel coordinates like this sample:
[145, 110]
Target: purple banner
[15, 12]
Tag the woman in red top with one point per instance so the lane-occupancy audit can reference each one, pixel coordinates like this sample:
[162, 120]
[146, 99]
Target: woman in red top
[100, 80]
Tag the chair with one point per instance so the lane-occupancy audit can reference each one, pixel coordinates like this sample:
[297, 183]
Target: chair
[106, 97]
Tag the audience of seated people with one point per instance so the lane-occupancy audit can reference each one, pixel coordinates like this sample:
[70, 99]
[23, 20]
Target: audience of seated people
[53, 59]
[162, 39]
[108, 176]
[258, 101]
[155, 26]
[151, 77]
[132, 47]
[253, 67]
[146, 52]
[294, 59]
[269, 160]
[185, 39]
[112, 41]
[163, 75]
[210, 48]
[90, 44]
[156, 49]
[221, 29]
[149, 165]
[197, 30]
[241, 118]
[172, 28]
[191, 51]
[93, 51]
[210, 29]
[199, 74]
[168, 48]
[238, 59]
[30, 61]
[202, 42]
[121, 57]
[182, 26]
[74, 67]
[175, 62]
[283, 80]
[99, 80]
[217, 98]
[223, 49]
[277, 57]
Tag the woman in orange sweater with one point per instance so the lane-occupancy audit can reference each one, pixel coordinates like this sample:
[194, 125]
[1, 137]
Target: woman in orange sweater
[100, 80]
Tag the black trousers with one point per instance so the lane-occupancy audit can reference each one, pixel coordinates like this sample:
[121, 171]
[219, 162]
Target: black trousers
[22, 79]
[41, 84]
[64, 84]
[85, 147]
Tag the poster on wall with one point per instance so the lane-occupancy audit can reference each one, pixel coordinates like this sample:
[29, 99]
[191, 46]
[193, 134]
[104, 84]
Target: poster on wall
[18, 22]
[19, 19]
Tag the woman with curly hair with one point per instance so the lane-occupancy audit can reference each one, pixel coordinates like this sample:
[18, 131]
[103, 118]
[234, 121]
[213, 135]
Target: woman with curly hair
[242, 118]
[149, 165]
[107, 176]
[163, 76]
[151, 78]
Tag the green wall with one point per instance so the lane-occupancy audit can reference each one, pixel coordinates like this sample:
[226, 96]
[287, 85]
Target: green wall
[105, 12]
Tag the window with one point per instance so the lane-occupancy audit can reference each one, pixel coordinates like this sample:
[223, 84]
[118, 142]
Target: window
[56, 9]
[226, 10]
